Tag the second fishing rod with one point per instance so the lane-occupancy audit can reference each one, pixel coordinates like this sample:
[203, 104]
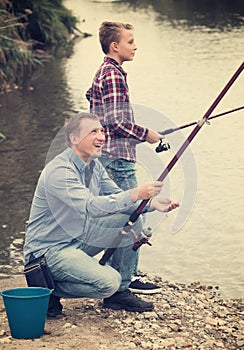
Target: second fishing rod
[128, 227]
[165, 146]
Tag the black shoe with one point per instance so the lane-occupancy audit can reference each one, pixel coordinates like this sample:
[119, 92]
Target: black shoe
[54, 307]
[126, 300]
[140, 285]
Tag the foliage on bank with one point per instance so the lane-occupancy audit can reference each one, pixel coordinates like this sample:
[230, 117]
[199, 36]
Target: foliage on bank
[27, 29]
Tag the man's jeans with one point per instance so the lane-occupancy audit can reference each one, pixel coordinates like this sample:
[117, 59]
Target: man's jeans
[77, 273]
[123, 173]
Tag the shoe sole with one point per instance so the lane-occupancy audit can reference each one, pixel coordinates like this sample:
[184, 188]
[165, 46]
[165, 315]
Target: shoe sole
[126, 308]
[146, 291]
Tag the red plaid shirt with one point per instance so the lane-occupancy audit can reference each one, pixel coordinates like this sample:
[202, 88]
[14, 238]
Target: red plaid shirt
[109, 100]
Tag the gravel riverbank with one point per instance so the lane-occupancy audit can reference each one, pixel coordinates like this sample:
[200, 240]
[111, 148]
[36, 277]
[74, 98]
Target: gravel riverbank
[185, 316]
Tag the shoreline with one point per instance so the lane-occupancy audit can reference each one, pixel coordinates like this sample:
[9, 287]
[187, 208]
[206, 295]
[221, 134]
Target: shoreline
[190, 316]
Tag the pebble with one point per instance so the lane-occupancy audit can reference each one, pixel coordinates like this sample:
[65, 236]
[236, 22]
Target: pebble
[67, 325]
[184, 316]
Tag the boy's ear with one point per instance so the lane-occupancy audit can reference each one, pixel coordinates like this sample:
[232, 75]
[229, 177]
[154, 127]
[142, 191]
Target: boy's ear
[114, 46]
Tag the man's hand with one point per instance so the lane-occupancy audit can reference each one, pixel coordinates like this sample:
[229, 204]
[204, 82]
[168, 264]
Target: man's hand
[146, 191]
[163, 204]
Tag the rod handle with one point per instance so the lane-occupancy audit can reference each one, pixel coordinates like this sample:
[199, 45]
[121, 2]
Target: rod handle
[167, 131]
[106, 256]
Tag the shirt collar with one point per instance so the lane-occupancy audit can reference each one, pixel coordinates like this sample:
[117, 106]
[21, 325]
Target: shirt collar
[115, 63]
[78, 162]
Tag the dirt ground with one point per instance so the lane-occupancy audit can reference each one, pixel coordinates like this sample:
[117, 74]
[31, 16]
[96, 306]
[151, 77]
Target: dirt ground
[185, 316]
[75, 330]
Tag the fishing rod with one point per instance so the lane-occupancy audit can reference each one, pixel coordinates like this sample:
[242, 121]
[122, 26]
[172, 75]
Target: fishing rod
[134, 216]
[163, 146]
[169, 131]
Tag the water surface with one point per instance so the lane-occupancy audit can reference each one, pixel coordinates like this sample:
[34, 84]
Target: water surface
[186, 54]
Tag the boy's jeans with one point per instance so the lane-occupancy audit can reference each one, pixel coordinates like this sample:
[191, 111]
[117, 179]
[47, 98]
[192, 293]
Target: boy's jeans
[123, 173]
[77, 273]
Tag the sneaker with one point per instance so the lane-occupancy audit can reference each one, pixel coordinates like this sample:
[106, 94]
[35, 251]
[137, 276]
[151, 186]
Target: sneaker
[54, 308]
[140, 285]
[126, 300]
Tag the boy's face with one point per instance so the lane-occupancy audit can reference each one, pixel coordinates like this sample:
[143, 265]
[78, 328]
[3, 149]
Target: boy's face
[88, 144]
[126, 47]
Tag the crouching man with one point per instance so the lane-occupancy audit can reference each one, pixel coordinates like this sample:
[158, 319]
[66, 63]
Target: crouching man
[76, 213]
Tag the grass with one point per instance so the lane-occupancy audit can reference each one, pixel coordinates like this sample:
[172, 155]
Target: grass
[26, 26]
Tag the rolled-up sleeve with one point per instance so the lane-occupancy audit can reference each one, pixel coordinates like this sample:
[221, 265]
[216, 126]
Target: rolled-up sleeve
[64, 185]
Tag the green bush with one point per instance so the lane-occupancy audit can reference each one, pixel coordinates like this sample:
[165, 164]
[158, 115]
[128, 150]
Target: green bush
[49, 22]
[27, 25]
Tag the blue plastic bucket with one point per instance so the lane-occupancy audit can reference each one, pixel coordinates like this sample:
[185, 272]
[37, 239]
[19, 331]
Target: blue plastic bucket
[26, 309]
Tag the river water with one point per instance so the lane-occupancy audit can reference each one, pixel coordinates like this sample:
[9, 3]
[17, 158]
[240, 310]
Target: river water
[186, 54]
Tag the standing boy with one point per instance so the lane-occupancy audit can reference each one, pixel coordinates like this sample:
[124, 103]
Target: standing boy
[109, 99]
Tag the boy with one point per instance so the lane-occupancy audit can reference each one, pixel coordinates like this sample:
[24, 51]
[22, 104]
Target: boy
[109, 99]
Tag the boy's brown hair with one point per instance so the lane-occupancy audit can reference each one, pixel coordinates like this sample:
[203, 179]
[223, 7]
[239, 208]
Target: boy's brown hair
[110, 32]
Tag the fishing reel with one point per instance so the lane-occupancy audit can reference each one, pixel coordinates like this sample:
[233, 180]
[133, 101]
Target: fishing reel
[162, 147]
[146, 235]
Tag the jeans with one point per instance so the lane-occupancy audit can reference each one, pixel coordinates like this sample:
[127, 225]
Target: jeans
[77, 273]
[123, 173]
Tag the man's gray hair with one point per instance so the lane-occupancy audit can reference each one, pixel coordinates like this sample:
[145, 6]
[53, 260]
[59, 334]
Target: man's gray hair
[72, 126]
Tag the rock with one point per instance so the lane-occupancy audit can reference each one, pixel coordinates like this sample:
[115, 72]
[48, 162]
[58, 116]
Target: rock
[167, 342]
[240, 343]
[174, 327]
[5, 340]
[129, 345]
[67, 325]
[183, 317]
[2, 332]
[150, 315]
[211, 321]
[3, 275]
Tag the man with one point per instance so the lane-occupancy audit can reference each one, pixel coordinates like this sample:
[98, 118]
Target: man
[109, 99]
[77, 211]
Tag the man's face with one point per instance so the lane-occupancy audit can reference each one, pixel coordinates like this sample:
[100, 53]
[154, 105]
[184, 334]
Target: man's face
[126, 46]
[88, 144]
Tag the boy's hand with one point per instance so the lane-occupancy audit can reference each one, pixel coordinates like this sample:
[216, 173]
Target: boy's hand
[153, 136]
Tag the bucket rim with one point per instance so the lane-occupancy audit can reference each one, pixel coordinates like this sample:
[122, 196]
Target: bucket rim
[4, 292]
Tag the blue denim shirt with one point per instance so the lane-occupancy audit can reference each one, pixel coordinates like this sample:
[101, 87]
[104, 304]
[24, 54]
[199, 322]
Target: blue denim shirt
[63, 206]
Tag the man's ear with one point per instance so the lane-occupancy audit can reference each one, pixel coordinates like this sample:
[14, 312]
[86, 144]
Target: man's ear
[114, 46]
[74, 139]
